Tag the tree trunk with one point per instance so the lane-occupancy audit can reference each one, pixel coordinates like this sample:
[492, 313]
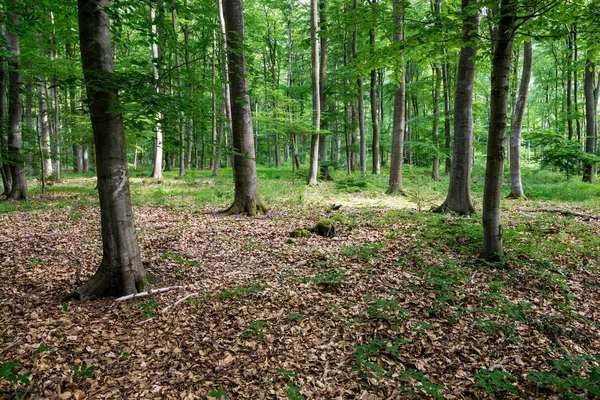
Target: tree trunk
[121, 271]
[4, 166]
[15, 156]
[459, 199]
[158, 138]
[589, 171]
[227, 90]
[44, 129]
[516, 186]
[435, 167]
[492, 228]
[246, 199]
[398, 124]
[376, 170]
[314, 143]
[323, 156]
[182, 147]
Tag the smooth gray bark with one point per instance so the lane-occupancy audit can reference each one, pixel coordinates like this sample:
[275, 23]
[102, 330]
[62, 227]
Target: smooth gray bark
[591, 132]
[316, 102]
[121, 271]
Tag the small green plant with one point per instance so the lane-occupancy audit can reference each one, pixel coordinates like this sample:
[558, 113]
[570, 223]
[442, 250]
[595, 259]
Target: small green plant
[6, 372]
[295, 316]
[572, 377]
[42, 348]
[258, 328]
[423, 382]
[217, 394]
[508, 330]
[293, 392]
[64, 307]
[365, 252]
[148, 309]
[83, 371]
[387, 310]
[123, 355]
[256, 286]
[421, 327]
[180, 259]
[368, 355]
[332, 280]
[496, 381]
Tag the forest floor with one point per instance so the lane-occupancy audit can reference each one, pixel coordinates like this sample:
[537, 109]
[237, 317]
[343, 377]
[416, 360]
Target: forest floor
[394, 306]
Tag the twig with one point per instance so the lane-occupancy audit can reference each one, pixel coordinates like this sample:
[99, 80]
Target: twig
[16, 342]
[144, 294]
[178, 302]
[563, 212]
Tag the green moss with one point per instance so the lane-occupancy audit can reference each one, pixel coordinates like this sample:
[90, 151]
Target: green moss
[324, 227]
[300, 233]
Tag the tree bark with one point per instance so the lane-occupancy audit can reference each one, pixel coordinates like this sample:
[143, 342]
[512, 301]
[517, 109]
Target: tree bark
[376, 170]
[459, 199]
[435, 167]
[246, 199]
[398, 124]
[589, 170]
[323, 156]
[15, 112]
[121, 271]
[44, 129]
[516, 186]
[492, 227]
[158, 138]
[4, 166]
[315, 62]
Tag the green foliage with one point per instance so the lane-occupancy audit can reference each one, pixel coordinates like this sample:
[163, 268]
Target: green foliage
[423, 383]
[180, 259]
[368, 355]
[573, 377]
[256, 286]
[365, 252]
[332, 280]
[300, 233]
[386, 310]
[496, 381]
[148, 309]
[217, 394]
[83, 371]
[7, 373]
[258, 328]
[295, 316]
[43, 348]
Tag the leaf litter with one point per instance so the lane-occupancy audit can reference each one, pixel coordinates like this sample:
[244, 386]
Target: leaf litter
[376, 312]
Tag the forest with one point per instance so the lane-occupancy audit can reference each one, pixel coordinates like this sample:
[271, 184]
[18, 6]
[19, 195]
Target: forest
[301, 199]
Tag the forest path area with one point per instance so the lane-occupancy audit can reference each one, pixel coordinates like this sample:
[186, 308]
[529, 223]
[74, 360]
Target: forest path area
[393, 306]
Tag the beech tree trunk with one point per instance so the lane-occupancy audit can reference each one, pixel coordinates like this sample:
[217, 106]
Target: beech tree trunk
[314, 143]
[398, 124]
[44, 129]
[246, 199]
[435, 166]
[4, 166]
[15, 156]
[459, 199]
[158, 138]
[323, 156]
[376, 170]
[492, 227]
[121, 271]
[591, 133]
[516, 186]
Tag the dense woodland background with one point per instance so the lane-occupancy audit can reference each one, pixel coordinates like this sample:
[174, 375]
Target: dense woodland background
[348, 287]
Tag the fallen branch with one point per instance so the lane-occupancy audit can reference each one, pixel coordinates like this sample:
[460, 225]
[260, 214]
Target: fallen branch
[563, 211]
[144, 294]
[178, 302]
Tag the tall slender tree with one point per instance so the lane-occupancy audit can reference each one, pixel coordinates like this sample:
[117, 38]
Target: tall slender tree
[492, 227]
[246, 200]
[459, 199]
[315, 61]
[121, 271]
[15, 156]
[516, 185]
[591, 129]
[398, 125]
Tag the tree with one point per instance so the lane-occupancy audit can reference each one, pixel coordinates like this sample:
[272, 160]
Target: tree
[516, 186]
[15, 156]
[591, 131]
[459, 199]
[246, 199]
[503, 41]
[156, 54]
[395, 182]
[121, 271]
[314, 145]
